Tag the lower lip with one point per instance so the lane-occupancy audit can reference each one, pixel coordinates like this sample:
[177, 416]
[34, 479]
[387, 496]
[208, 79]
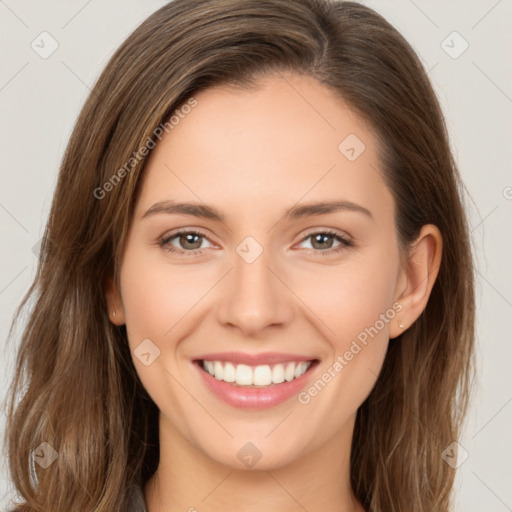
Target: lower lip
[254, 398]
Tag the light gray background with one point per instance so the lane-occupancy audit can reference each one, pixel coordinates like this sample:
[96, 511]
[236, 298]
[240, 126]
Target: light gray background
[40, 100]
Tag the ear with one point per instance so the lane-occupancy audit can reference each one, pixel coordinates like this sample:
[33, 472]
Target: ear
[114, 302]
[415, 282]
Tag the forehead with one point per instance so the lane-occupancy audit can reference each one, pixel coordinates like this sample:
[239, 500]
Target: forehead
[290, 139]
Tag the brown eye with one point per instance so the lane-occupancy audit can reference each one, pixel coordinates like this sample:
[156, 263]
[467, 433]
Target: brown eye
[185, 242]
[322, 242]
[190, 240]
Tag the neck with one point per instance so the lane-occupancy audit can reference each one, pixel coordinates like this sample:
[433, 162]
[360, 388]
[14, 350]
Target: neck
[187, 479]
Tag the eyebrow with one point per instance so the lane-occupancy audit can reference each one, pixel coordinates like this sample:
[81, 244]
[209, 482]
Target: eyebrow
[202, 210]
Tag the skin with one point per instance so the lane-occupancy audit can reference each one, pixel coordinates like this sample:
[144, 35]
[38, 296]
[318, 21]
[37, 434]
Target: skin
[253, 154]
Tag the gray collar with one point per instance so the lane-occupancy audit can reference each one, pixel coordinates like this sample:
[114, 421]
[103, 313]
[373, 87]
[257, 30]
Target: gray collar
[136, 500]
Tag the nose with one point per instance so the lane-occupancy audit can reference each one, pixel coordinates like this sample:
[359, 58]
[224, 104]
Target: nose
[255, 297]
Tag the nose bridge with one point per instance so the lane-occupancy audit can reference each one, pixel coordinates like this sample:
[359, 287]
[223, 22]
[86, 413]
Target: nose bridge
[254, 298]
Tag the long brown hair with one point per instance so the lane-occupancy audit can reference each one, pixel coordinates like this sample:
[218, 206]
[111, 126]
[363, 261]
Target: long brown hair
[75, 386]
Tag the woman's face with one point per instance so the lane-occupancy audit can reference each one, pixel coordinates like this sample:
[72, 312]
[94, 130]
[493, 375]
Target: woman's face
[263, 281]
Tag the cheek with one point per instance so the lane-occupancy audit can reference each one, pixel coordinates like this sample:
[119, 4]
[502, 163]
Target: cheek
[354, 311]
[156, 296]
[158, 299]
[350, 297]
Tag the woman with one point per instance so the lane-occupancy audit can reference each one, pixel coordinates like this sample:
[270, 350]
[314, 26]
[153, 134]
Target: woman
[250, 369]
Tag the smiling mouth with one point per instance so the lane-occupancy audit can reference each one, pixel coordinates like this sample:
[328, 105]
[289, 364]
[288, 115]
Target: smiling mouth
[258, 376]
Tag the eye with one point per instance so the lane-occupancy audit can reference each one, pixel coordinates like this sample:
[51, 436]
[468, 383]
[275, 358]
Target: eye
[322, 241]
[189, 242]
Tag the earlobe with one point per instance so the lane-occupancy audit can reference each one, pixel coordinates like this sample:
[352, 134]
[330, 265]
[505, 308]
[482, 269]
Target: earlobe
[114, 304]
[419, 276]
[397, 326]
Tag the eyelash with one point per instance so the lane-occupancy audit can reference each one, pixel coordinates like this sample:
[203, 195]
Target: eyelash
[164, 242]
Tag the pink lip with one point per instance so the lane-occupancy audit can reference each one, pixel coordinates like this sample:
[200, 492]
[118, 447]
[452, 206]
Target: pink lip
[255, 398]
[254, 359]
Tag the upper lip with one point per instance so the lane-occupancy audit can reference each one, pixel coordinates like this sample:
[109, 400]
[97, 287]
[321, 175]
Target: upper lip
[254, 359]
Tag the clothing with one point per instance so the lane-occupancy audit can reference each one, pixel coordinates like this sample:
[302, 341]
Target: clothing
[136, 500]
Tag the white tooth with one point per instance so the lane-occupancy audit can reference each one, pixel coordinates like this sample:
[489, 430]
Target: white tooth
[278, 374]
[307, 364]
[289, 372]
[219, 370]
[300, 369]
[210, 367]
[243, 375]
[262, 375]
[229, 373]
